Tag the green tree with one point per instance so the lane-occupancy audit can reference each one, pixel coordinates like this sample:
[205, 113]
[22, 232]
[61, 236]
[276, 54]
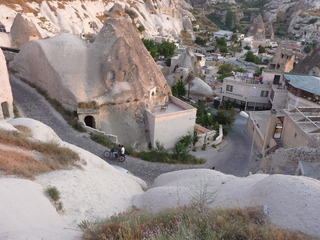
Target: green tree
[262, 49]
[226, 69]
[237, 28]
[226, 118]
[230, 19]
[179, 89]
[166, 49]
[249, 57]
[221, 42]
[223, 49]
[200, 41]
[174, 90]
[234, 37]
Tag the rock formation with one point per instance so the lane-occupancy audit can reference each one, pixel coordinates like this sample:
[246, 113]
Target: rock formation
[283, 58]
[310, 64]
[181, 67]
[259, 30]
[115, 70]
[6, 100]
[22, 30]
[198, 89]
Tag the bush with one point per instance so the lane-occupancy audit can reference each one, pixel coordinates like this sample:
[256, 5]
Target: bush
[103, 140]
[53, 193]
[141, 28]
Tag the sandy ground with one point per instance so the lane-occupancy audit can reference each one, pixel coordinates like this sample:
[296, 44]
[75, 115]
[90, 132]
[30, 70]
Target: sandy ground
[98, 191]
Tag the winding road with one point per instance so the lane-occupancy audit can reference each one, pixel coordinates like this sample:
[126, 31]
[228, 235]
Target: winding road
[232, 157]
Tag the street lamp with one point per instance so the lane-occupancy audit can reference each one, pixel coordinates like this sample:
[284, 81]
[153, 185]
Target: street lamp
[246, 115]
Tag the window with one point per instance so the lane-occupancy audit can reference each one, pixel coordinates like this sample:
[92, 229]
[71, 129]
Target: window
[264, 94]
[229, 88]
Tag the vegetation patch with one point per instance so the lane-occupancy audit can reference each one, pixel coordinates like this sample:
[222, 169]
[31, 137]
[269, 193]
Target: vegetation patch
[52, 156]
[189, 222]
[54, 196]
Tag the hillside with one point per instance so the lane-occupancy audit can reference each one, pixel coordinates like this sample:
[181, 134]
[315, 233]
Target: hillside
[163, 19]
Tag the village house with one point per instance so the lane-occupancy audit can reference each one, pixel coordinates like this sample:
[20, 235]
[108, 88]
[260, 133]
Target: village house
[223, 34]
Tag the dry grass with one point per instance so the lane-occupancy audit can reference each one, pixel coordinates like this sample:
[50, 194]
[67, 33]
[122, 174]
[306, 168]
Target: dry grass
[21, 156]
[189, 223]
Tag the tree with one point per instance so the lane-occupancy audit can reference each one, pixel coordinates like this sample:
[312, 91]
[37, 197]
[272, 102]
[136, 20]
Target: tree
[249, 57]
[234, 37]
[226, 118]
[225, 69]
[221, 42]
[307, 49]
[178, 89]
[200, 41]
[166, 49]
[230, 19]
[223, 49]
[262, 49]
[237, 28]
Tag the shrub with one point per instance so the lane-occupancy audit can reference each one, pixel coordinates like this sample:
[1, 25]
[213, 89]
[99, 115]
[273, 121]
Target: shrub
[141, 28]
[53, 193]
[101, 139]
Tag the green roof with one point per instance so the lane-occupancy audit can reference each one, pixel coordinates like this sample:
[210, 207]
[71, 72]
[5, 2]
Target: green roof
[304, 82]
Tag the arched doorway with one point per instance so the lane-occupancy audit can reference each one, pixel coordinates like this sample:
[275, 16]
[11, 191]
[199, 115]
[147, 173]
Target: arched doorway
[89, 121]
[5, 109]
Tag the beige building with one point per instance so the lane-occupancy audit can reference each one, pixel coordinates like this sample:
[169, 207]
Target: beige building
[246, 92]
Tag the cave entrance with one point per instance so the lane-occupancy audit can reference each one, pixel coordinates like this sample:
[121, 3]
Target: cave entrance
[5, 109]
[89, 121]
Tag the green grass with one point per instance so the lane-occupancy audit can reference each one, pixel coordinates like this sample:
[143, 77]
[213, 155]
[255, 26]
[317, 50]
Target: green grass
[189, 222]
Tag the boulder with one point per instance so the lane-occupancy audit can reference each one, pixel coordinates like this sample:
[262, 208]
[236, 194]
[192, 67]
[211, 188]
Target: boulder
[198, 89]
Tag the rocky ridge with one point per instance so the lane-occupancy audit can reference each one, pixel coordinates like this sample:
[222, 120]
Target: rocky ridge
[163, 19]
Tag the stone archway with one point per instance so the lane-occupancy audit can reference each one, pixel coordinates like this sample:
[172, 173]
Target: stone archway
[5, 109]
[90, 121]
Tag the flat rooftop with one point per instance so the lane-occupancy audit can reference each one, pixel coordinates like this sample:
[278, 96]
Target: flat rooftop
[171, 108]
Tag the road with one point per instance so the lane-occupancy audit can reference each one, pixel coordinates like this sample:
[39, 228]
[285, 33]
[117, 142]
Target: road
[231, 157]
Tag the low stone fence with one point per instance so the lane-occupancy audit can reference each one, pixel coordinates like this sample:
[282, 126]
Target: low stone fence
[294, 155]
[286, 161]
[111, 137]
[207, 137]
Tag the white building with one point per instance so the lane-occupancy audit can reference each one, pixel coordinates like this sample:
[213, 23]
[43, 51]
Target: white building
[223, 34]
[246, 92]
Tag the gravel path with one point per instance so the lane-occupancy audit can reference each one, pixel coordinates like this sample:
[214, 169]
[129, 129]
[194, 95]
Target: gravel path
[230, 157]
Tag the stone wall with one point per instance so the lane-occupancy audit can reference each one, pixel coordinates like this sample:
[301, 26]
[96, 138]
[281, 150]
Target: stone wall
[286, 161]
[294, 155]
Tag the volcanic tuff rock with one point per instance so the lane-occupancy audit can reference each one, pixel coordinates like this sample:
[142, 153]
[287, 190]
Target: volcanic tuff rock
[6, 100]
[181, 68]
[310, 64]
[21, 30]
[257, 29]
[115, 70]
[87, 17]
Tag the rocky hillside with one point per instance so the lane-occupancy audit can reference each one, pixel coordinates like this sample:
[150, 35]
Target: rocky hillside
[163, 19]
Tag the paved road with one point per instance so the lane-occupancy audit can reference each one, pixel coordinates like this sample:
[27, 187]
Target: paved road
[231, 157]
